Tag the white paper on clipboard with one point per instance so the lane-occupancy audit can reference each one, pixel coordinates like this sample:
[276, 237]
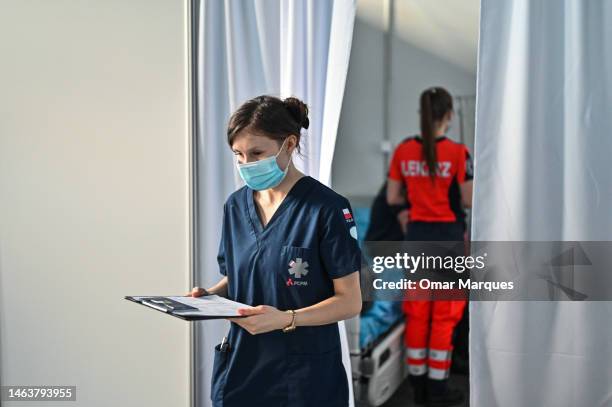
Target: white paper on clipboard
[208, 306]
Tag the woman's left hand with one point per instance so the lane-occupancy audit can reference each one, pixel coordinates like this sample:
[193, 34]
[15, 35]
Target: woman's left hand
[261, 319]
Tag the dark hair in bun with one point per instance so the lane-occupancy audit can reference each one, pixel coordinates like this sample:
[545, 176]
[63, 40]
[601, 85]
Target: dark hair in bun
[270, 117]
[298, 110]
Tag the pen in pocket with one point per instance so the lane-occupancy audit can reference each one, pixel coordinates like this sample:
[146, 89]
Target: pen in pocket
[224, 347]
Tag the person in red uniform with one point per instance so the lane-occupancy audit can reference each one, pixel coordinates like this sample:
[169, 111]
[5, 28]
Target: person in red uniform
[435, 199]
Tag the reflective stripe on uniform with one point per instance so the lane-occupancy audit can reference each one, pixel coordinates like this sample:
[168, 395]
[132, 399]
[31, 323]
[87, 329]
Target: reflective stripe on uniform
[416, 358]
[416, 353]
[417, 370]
[438, 374]
[439, 363]
[439, 355]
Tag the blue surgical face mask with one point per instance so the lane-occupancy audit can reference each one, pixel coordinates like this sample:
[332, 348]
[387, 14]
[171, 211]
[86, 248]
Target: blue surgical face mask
[263, 174]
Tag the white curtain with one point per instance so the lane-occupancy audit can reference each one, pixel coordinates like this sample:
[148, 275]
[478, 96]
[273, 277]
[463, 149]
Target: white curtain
[243, 49]
[542, 162]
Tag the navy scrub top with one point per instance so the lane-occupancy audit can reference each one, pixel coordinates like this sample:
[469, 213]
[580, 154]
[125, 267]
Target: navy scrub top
[289, 264]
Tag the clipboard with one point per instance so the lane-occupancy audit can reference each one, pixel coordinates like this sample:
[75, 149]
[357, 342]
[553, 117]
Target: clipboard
[191, 308]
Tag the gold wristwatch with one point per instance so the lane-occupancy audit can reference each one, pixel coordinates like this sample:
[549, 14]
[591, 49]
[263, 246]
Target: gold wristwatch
[291, 326]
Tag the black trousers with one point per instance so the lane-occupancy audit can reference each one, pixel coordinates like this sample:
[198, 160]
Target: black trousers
[435, 231]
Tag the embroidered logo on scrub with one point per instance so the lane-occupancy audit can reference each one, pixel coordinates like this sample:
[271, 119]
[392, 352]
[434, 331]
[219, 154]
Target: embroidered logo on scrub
[298, 269]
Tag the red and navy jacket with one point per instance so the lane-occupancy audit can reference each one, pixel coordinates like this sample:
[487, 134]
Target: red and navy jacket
[440, 200]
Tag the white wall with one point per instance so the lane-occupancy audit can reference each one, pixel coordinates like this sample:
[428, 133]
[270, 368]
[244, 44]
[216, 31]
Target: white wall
[94, 198]
[359, 168]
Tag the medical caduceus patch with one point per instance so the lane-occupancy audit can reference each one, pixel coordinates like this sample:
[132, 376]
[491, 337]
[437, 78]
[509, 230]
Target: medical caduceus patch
[298, 268]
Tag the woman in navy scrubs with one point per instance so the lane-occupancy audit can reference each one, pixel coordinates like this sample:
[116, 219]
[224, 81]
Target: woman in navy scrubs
[289, 249]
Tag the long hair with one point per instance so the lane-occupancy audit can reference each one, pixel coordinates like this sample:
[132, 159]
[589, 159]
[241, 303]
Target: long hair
[435, 103]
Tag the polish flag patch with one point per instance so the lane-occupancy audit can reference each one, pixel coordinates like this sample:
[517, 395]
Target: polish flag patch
[347, 215]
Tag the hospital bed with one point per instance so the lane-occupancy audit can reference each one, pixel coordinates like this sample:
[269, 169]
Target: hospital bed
[378, 369]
